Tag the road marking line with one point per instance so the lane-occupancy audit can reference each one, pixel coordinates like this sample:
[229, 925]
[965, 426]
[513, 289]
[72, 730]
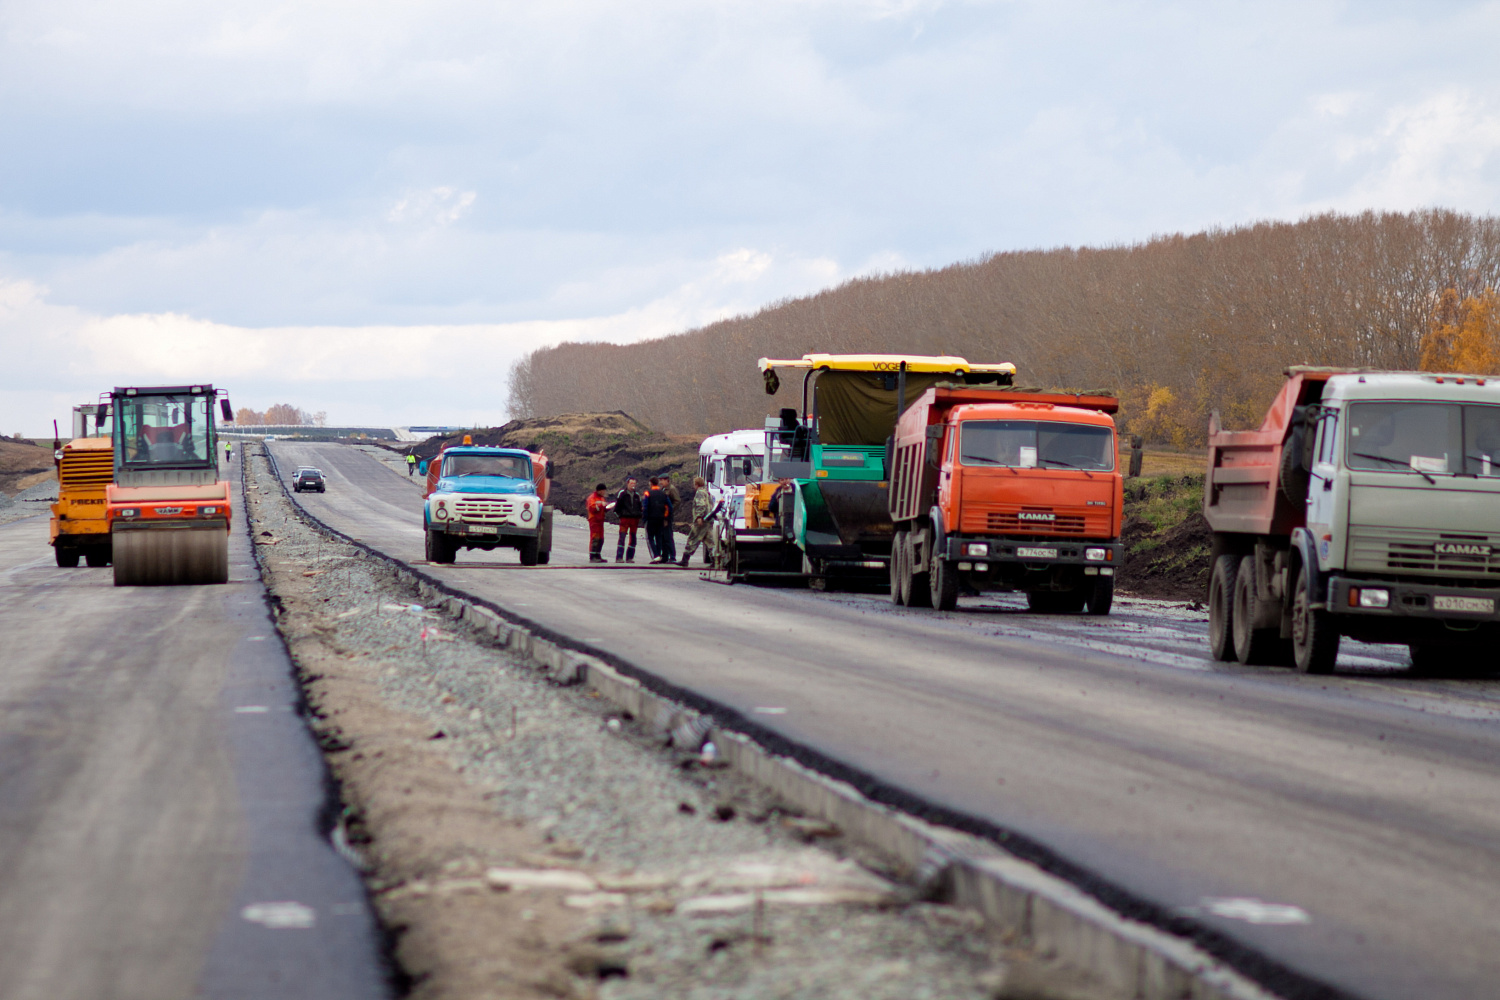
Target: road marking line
[281, 915]
[251, 709]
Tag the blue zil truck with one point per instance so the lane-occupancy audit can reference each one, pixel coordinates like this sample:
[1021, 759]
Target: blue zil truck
[479, 497]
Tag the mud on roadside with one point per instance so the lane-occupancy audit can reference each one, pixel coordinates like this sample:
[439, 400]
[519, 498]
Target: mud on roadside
[523, 840]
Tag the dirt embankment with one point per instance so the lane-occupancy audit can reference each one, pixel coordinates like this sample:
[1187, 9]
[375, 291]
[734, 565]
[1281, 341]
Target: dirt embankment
[23, 464]
[1166, 538]
[590, 448]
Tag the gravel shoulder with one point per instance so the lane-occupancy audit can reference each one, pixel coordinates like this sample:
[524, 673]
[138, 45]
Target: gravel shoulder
[521, 839]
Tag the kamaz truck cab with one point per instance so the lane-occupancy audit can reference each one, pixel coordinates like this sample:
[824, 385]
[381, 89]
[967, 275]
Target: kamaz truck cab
[486, 498]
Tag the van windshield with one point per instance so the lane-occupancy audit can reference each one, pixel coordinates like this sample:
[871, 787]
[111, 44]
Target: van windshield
[1425, 438]
[1032, 444]
[510, 466]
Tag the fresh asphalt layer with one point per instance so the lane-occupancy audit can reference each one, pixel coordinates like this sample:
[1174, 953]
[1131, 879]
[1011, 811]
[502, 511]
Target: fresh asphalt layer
[163, 806]
[1346, 827]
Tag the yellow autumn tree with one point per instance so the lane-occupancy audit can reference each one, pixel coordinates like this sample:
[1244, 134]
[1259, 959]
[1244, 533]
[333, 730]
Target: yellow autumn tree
[1463, 334]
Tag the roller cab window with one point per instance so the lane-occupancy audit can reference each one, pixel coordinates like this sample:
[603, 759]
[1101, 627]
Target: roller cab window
[165, 432]
[1036, 444]
[508, 466]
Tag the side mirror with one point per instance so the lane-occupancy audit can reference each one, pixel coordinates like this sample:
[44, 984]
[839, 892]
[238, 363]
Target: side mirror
[549, 470]
[226, 409]
[422, 468]
[748, 469]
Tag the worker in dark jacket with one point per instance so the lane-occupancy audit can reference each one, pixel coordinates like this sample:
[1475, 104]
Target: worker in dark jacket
[657, 510]
[669, 536]
[628, 510]
[597, 506]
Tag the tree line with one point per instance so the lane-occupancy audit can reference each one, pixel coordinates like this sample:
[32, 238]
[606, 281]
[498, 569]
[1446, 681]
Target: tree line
[1178, 325]
[279, 414]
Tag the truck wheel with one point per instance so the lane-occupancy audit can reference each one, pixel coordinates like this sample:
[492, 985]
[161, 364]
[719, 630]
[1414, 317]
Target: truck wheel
[543, 558]
[1221, 607]
[1102, 596]
[1252, 646]
[1315, 642]
[439, 549]
[943, 577]
[97, 556]
[919, 581]
[530, 552]
[65, 555]
[900, 573]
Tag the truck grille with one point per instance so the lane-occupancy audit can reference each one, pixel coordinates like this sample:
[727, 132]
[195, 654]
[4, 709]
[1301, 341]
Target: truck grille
[1015, 519]
[485, 511]
[1416, 550]
[81, 470]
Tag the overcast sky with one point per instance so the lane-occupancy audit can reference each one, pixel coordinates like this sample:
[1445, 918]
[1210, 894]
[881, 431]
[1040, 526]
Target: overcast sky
[373, 208]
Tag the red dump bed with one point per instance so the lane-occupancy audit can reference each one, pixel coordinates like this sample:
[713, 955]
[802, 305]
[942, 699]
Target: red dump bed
[1241, 492]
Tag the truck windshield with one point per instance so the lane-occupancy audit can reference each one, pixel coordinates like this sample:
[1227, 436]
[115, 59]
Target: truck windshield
[164, 430]
[510, 466]
[1425, 438]
[1030, 444]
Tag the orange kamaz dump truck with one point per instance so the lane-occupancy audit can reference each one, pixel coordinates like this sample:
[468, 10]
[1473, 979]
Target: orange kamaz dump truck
[1001, 489]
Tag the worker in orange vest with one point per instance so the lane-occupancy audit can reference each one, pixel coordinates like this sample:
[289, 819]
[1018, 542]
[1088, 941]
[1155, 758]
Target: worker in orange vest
[597, 507]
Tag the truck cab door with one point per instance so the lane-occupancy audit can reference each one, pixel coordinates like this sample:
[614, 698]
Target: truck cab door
[1323, 492]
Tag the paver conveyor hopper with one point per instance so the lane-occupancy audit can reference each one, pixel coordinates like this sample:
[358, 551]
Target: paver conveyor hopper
[168, 509]
[822, 512]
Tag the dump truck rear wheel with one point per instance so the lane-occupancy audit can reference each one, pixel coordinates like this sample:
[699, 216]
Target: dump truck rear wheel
[900, 573]
[1221, 607]
[65, 555]
[1315, 642]
[919, 589]
[1252, 646]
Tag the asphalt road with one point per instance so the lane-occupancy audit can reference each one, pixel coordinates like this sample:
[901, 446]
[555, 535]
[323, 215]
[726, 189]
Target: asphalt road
[160, 796]
[1346, 826]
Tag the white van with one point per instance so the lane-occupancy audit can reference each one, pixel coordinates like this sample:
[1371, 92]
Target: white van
[727, 462]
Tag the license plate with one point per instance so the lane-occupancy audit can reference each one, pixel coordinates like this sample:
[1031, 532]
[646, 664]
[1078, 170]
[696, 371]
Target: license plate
[1036, 553]
[168, 510]
[1478, 605]
[482, 529]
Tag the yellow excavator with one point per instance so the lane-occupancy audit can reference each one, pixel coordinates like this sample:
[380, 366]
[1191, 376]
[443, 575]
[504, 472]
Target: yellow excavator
[168, 510]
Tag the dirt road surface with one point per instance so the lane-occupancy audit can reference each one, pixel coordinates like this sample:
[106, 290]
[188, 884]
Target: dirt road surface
[162, 802]
[1344, 828]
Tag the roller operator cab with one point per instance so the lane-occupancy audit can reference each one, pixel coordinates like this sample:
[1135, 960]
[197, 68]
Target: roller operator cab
[488, 498]
[999, 489]
[1367, 505]
[168, 510]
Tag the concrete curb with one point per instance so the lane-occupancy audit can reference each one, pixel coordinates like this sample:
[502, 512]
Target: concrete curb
[1132, 958]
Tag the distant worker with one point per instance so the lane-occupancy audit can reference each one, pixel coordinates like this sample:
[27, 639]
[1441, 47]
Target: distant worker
[657, 510]
[411, 463]
[628, 510]
[228, 451]
[597, 506]
[703, 507]
[669, 537]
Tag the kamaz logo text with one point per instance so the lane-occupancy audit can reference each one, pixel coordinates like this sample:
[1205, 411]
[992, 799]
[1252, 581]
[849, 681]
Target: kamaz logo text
[1035, 515]
[1460, 549]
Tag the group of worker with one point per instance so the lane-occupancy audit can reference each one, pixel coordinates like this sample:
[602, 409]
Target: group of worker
[654, 507]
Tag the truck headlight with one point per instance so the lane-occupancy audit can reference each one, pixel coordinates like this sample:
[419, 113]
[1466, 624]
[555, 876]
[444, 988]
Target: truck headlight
[1370, 597]
[526, 512]
[976, 548]
[441, 512]
[1095, 555]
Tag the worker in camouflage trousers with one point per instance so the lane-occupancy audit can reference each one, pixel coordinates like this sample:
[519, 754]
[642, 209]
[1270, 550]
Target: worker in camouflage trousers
[703, 503]
[597, 506]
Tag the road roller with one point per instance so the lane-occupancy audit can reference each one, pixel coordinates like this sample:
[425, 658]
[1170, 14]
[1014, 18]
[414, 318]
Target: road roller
[168, 510]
